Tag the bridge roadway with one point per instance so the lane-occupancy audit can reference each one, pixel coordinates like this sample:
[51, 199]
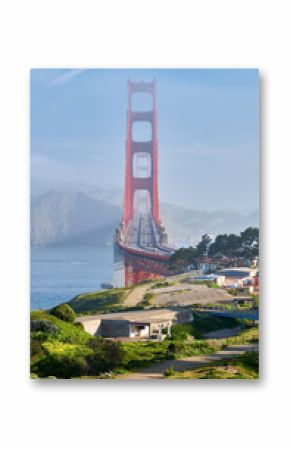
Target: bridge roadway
[143, 237]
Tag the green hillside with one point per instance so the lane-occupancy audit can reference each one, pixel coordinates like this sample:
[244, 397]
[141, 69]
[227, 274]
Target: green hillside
[99, 301]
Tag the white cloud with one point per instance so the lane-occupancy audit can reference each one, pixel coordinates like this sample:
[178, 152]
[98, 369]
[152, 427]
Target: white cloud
[66, 77]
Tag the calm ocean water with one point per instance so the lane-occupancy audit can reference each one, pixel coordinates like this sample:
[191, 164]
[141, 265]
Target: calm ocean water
[58, 274]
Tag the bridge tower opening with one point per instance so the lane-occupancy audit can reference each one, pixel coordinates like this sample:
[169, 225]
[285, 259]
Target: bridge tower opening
[141, 152]
[141, 249]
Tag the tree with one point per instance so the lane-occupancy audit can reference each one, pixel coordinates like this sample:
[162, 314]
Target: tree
[64, 312]
[219, 245]
[231, 245]
[203, 246]
[107, 355]
[62, 366]
[250, 242]
[182, 258]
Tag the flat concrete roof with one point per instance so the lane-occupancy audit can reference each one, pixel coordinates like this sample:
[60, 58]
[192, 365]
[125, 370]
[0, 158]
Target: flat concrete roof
[237, 272]
[148, 316]
[189, 294]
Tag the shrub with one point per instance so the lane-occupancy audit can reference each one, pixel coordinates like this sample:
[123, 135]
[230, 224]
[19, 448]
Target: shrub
[181, 331]
[64, 312]
[148, 298]
[43, 326]
[169, 371]
[249, 360]
[35, 348]
[68, 332]
[232, 291]
[182, 348]
[106, 356]
[162, 284]
[138, 354]
[62, 366]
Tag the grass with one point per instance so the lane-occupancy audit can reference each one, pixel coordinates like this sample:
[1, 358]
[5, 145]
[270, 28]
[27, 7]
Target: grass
[245, 366]
[68, 341]
[140, 354]
[209, 284]
[147, 300]
[65, 350]
[162, 284]
[99, 302]
[67, 332]
[202, 323]
[69, 349]
[247, 336]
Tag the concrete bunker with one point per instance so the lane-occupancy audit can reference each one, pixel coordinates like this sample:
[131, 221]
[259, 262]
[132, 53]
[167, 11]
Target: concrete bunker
[150, 324]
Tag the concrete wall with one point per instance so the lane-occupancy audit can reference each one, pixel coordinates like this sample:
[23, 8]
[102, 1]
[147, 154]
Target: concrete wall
[183, 316]
[115, 328]
[92, 326]
[145, 333]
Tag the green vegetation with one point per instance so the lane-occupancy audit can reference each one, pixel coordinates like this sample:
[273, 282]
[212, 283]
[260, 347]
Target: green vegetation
[182, 258]
[64, 350]
[202, 323]
[146, 301]
[232, 291]
[246, 244]
[169, 372]
[139, 354]
[99, 302]
[256, 300]
[209, 284]
[66, 332]
[64, 312]
[105, 356]
[203, 246]
[247, 336]
[245, 366]
[162, 284]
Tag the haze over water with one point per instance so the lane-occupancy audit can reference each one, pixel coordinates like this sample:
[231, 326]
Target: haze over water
[58, 274]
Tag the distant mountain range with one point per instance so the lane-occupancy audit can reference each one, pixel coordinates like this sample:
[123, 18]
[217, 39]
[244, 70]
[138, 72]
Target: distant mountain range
[61, 217]
[79, 218]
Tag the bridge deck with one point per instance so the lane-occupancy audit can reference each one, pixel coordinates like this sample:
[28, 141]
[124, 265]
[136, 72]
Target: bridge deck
[142, 237]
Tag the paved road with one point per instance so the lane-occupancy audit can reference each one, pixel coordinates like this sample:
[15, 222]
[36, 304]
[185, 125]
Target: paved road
[136, 295]
[156, 370]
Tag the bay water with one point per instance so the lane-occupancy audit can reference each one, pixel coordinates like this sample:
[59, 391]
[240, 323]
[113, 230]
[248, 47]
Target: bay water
[59, 274]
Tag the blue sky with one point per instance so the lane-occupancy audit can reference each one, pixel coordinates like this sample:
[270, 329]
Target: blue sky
[208, 132]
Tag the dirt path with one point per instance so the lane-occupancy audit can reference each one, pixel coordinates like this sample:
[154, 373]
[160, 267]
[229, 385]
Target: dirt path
[136, 295]
[224, 333]
[156, 370]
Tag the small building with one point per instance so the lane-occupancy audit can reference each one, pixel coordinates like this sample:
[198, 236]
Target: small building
[145, 324]
[237, 276]
[219, 280]
[239, 300]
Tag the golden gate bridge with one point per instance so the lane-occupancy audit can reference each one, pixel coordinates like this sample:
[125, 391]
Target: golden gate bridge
[141, 248]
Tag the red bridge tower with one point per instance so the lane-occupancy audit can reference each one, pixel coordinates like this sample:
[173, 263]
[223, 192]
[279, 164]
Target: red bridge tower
[150, 183]
[141, 241]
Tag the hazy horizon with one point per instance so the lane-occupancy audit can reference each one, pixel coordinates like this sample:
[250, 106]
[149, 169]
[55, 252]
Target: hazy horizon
[207, 130]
